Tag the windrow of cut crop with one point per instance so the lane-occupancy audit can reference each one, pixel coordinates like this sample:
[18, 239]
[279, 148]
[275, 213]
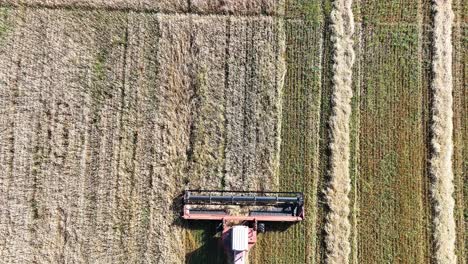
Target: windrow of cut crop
[442, 135]
[338, 227]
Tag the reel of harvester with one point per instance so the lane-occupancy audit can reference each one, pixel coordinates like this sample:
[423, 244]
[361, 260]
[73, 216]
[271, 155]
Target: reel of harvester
[242, 214]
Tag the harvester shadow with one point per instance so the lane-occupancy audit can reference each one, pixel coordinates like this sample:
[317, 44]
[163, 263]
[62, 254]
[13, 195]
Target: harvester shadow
[278, 226]
[200, 237]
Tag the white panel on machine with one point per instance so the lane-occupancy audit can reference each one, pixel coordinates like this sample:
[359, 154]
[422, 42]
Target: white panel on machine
[240, 238]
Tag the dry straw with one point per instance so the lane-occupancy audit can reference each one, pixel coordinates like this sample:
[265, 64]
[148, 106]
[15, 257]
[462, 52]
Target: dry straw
[442, 129]
[337, 225]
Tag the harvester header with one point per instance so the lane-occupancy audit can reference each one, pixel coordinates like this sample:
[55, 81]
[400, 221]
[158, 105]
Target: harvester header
[241, 197]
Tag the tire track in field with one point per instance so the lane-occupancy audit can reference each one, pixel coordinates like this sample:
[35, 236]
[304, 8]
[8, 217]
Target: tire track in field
[337, 225]
[442, 130]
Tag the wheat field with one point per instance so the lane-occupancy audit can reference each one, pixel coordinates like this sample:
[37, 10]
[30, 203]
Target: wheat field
[109, 109]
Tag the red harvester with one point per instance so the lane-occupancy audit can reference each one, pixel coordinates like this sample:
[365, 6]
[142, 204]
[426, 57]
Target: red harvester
[242, 214]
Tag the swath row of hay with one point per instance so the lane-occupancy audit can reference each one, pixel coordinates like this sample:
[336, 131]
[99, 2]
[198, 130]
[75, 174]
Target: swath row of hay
[442, 130]
[338, 227]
